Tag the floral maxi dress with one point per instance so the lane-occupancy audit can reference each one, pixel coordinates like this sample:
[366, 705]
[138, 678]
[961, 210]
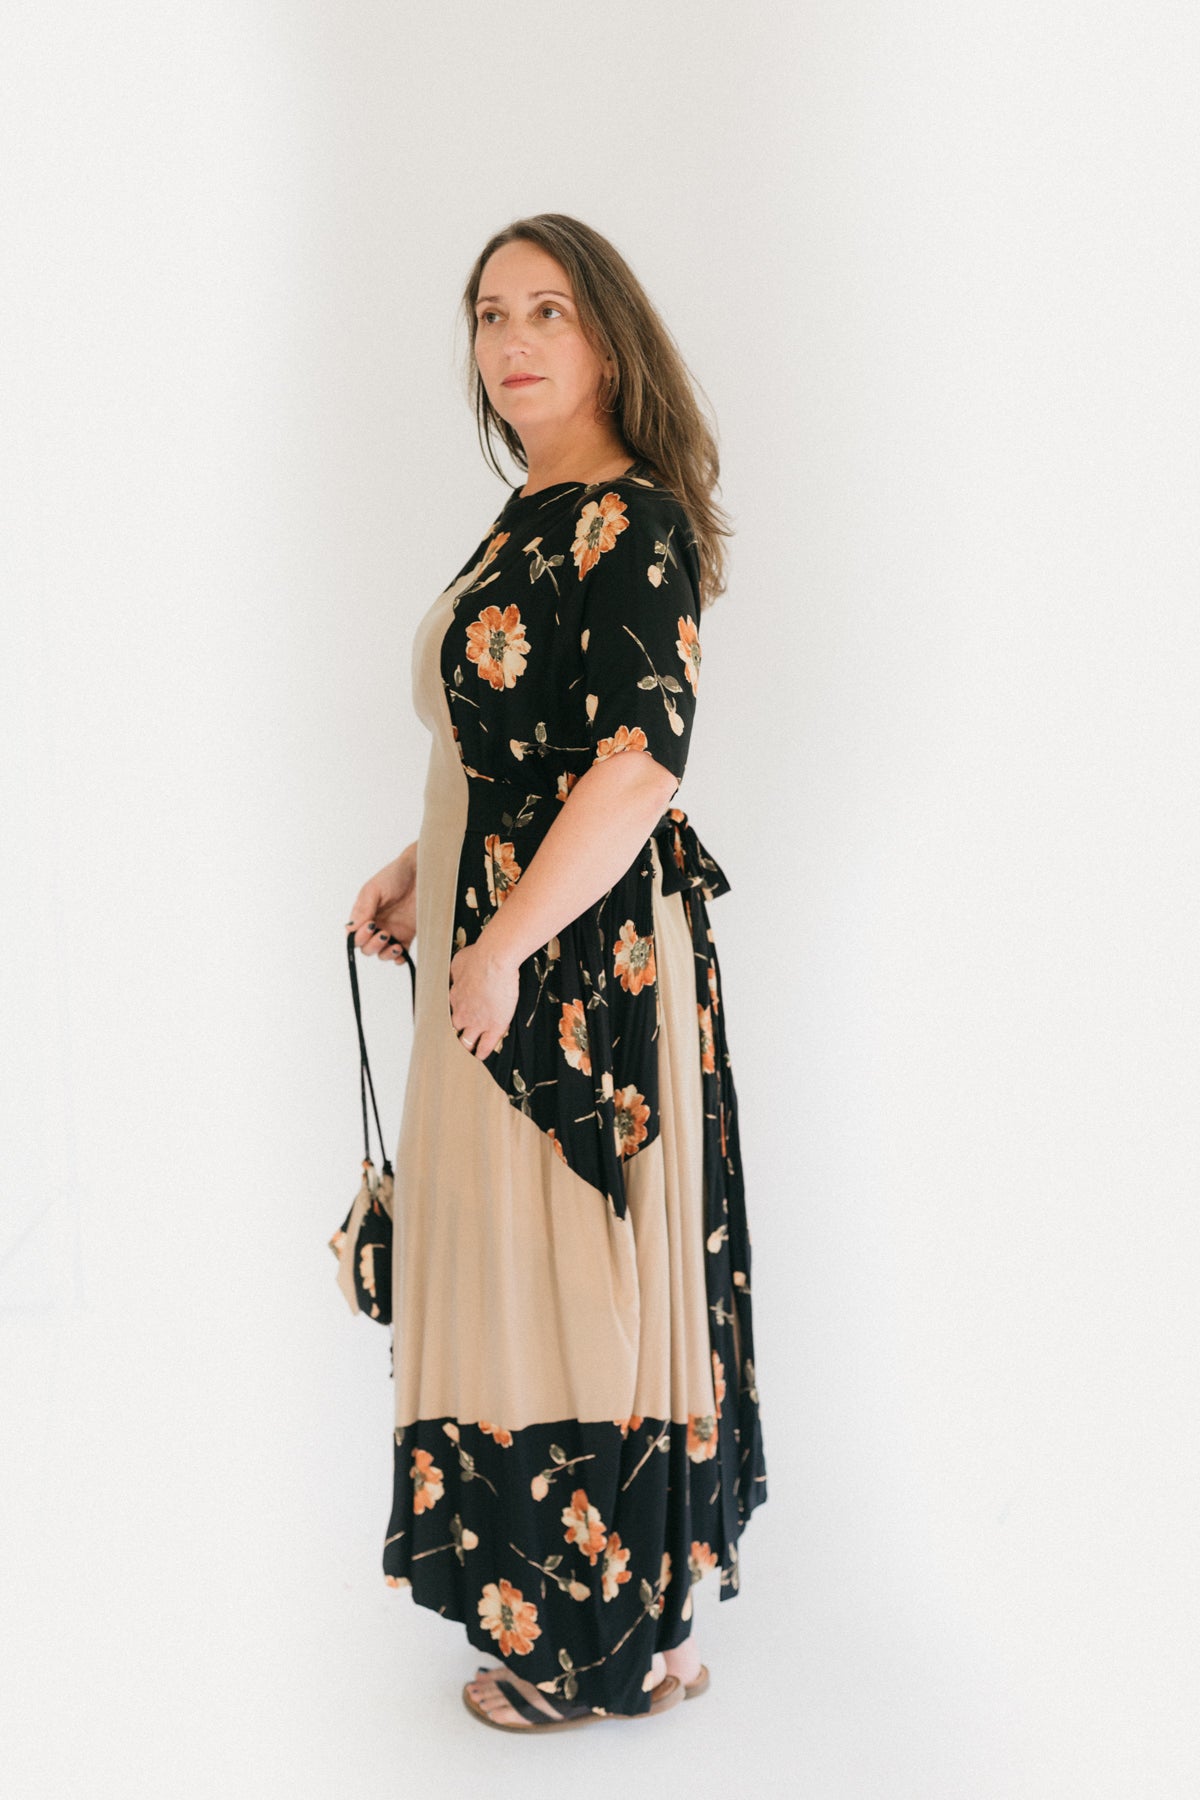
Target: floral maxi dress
[577, 1435]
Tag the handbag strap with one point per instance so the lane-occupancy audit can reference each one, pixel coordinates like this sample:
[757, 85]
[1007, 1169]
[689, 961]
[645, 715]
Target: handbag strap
[364, 1072]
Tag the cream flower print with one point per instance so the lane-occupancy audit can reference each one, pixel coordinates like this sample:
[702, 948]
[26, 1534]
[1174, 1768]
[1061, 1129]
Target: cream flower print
[426, 1478]
[656, 573]
[633, 959]
[511, 1619]
[560, 1464]
[497, 645]
[596, 530]
[464, 1538]
[541, 565]
[718, 1381]
[614, 1571]
[366, 1267]
[585, 1527]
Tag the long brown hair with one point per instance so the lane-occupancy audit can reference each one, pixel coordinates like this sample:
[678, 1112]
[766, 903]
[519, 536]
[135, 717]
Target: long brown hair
[652, 395]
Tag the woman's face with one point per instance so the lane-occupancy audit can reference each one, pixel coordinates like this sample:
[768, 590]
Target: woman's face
[526, 325]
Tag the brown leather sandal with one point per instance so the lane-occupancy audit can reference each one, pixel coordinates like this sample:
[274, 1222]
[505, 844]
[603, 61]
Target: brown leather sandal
[692, 1688]
[669, 1692]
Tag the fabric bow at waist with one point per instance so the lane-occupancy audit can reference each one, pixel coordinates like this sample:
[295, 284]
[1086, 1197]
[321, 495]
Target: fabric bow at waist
[685, 861]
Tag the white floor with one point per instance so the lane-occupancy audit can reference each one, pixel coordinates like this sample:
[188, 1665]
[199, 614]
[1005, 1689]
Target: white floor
[194, 1608]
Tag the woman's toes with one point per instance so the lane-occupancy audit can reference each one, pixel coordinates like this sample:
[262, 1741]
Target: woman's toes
[656, 1671]
[685, 1665]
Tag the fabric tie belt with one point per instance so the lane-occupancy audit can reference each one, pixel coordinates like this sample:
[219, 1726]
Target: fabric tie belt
[504, 806]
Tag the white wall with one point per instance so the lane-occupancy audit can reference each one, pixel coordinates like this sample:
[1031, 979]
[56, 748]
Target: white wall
[936, 268]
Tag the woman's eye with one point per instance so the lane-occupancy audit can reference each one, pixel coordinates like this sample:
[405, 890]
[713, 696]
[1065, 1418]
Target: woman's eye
[490, 312]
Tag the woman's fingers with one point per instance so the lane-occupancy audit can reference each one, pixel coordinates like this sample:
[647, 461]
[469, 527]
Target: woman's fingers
[370, 939]
[377, 942]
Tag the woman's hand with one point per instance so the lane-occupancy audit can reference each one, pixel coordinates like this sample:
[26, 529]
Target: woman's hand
[483, 997]
[384, 915]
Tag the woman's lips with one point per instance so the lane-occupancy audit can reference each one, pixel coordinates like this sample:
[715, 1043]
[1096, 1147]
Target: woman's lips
[520, 380]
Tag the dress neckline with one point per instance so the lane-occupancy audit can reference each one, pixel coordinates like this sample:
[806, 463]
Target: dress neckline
[516, 498]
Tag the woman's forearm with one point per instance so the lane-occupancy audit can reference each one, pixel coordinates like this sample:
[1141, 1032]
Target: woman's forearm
[603, 823]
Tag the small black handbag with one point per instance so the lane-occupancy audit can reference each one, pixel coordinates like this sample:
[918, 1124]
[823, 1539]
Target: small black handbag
[363, 1241]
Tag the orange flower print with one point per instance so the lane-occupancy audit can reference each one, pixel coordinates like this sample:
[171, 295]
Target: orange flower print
[712, 986]
[708, 1060]
[629, 1119]
[702, 1559]
[596, 530]
[498, 1432]
[496, 643]
[701, 1436]
[573, 1036]
[427, 1481]
[633, 959]
[688, 646]
[584, 1525]
[614, 1572]
[623, 738]
[565, 783]
[494, 544]
[718, 1381]
[511, 1619]
[557, 1142]
[628, 1425]
[501, 867]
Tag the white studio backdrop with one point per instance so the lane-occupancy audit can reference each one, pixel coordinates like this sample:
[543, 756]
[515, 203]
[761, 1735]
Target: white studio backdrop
[936, 270]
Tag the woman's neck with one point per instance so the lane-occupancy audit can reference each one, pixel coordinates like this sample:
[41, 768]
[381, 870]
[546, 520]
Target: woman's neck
[585, 464]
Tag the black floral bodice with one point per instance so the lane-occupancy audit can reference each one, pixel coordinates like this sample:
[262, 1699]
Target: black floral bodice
[576, 638]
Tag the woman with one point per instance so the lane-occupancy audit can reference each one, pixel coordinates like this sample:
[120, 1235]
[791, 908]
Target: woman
[577, 1437]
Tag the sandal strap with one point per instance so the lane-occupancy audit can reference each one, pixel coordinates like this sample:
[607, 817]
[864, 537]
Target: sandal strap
[520, 1704]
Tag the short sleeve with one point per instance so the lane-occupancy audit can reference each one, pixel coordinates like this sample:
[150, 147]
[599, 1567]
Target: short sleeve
[639, 625]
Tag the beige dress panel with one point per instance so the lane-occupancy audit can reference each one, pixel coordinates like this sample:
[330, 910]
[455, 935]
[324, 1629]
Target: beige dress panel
[519, 1297]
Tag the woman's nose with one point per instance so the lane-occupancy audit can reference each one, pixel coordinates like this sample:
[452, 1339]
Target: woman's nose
[514, 337]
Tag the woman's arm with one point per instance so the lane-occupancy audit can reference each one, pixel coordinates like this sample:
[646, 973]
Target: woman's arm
[603, 823]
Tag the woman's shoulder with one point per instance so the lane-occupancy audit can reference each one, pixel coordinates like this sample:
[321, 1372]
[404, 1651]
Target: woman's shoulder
[638, 504]
[644, 493]
[636, 518]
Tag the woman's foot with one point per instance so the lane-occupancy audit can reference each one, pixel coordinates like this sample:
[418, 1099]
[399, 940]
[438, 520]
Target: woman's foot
[487, 1695]
[685, 1660]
